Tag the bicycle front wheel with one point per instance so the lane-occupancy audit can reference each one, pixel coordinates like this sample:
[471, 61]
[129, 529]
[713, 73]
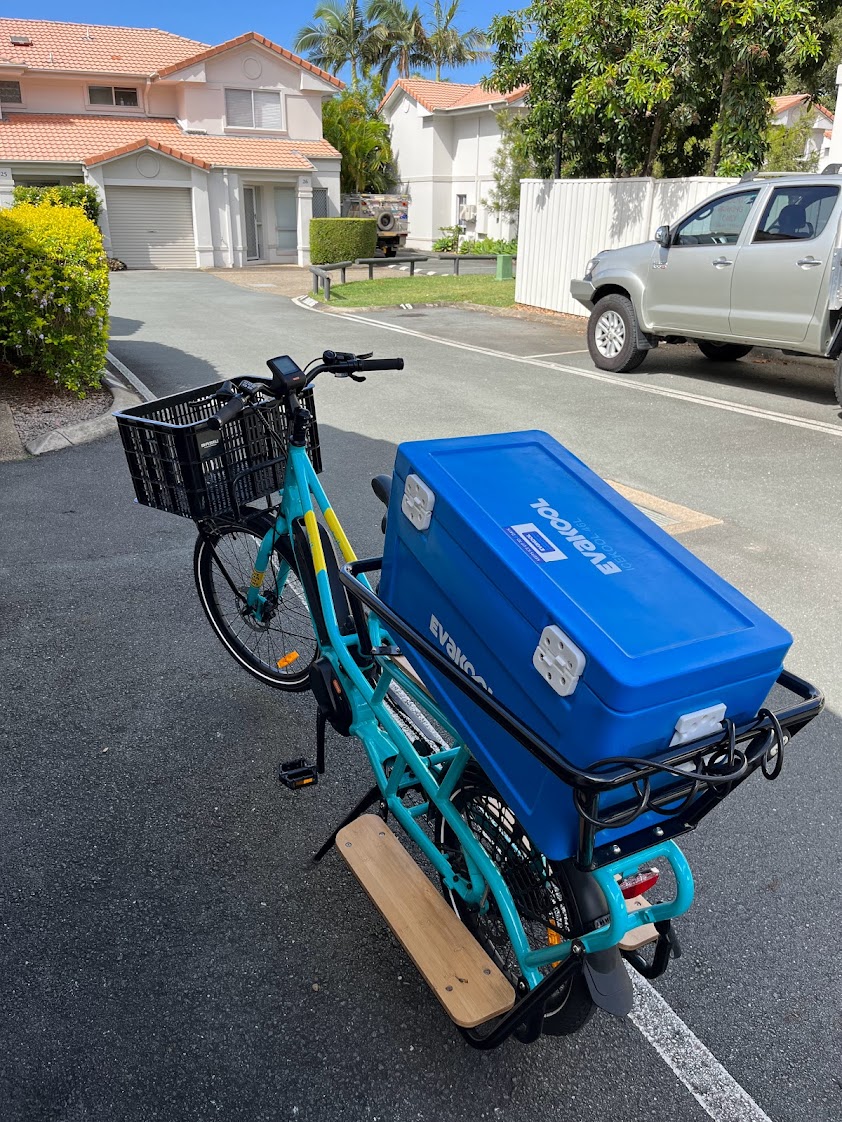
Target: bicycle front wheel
[276, 643]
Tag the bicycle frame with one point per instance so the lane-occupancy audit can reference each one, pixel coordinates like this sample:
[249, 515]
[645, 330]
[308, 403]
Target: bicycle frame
[399, 769]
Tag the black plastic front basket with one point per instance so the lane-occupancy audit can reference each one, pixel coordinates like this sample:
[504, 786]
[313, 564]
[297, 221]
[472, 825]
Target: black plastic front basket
[178, 464]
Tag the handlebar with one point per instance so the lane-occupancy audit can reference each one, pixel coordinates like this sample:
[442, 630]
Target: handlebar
[288, 378]
[379, 364]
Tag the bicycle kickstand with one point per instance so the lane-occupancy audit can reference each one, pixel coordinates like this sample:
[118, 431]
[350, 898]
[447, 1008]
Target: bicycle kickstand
[368, 800]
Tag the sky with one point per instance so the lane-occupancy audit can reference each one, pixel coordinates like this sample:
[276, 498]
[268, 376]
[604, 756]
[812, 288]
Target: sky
[214, 21]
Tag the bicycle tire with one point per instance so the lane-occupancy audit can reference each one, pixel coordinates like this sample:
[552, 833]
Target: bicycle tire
[541, 896]
[257, 645]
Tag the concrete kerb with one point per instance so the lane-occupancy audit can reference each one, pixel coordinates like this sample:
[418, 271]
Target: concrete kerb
[123, 396]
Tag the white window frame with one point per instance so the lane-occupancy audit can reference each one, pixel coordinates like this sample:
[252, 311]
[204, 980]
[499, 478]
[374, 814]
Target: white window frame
[112, 107]
[252, 127]
[13, 105]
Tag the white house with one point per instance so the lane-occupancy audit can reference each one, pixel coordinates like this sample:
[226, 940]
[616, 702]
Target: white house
[444, 138]
[835, 151]
[791, 108]
[203, 155]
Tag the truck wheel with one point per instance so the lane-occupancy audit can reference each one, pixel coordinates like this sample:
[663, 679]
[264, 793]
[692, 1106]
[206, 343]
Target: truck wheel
[612, 335]
[837, 381]
[722, 352]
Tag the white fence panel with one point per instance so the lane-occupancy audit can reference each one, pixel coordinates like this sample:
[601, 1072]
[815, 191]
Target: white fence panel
[565, 222]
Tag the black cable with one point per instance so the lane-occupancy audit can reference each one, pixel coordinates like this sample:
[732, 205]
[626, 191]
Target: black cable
[777, 741]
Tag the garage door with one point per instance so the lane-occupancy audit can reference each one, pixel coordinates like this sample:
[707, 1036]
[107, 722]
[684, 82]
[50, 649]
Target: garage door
[151, 227]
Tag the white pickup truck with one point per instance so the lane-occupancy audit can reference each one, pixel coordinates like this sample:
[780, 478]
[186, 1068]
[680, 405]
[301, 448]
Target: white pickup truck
[756, 265]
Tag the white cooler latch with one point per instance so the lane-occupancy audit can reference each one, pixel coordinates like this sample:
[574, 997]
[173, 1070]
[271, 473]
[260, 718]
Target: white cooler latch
[693, 726]
[418, 502]
[558, 660]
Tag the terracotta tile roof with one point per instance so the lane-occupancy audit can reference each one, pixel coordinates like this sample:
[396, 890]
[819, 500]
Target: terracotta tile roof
[789, 101]
[252, 36]
[432, 95]
[449, 95]
[478, 96]
[92, 47]
[67, 138]
[146, 142]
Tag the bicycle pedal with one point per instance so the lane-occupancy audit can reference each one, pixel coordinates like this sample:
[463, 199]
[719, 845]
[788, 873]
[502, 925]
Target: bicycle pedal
[296, 774]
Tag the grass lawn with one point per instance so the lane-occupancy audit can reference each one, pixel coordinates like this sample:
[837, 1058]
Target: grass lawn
[423, 290]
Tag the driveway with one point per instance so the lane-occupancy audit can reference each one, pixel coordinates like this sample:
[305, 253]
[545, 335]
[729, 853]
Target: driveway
[170, 952]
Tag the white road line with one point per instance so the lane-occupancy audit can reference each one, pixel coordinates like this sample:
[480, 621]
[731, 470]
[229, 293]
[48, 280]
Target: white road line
[599, 376]
[713, 1088]
[552, 354]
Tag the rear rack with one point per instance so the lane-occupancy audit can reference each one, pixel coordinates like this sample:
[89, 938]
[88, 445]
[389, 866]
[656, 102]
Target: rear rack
[700, 773]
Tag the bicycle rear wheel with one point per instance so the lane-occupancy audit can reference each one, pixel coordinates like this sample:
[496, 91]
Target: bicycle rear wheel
[276, 645]
[540, 894]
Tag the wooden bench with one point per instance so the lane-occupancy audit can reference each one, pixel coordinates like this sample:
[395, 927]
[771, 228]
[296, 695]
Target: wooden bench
[455, 967]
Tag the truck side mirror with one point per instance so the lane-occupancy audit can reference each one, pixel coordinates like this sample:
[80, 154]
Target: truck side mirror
[662, 236]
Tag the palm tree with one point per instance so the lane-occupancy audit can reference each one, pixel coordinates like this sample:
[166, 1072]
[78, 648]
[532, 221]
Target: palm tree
[399, 38]
[351, 126]
[448, 46]
[338, 34]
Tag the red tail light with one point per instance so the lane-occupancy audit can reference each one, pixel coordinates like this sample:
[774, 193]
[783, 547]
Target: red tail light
[639, 882]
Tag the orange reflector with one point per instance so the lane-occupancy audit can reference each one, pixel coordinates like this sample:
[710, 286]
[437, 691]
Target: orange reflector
[287, 660]
[553, 938]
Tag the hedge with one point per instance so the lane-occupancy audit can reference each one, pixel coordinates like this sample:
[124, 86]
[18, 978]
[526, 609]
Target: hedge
[53, 294]
[71, 194]
[341, 239]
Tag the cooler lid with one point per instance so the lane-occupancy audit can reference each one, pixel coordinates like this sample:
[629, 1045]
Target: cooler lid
[655, 623]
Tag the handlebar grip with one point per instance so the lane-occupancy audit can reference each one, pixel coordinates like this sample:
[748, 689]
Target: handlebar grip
[227, 412]
[379, 364]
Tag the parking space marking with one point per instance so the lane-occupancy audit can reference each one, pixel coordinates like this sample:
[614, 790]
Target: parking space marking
[672, 517]
[714, 1089]
[552, 354]
[825, 427]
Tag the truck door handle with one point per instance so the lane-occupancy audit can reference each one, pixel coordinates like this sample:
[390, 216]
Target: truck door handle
[721, 262]
[807, 262]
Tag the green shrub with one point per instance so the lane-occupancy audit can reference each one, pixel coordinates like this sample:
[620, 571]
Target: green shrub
[341, 239]
[74, 194]
[53, 294]
[449, 240]
[489, 245]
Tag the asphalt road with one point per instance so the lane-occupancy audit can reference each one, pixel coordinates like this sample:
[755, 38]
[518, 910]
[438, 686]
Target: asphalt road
[168, 950]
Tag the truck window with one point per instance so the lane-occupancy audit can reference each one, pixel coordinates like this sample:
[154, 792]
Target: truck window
[796, 213]
[717, 223]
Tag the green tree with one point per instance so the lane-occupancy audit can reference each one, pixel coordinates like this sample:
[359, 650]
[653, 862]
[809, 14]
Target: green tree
[625, 87]
[398, 38]
[510, 165]
[339, 34]
[448, 45]
[351, 125]
[817, 77]
[785, 145]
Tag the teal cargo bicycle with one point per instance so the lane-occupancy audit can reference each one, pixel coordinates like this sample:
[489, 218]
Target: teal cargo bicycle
[549, 690]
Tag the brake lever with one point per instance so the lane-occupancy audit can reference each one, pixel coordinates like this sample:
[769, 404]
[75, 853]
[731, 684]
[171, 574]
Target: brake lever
[348, 374]
[369, 355]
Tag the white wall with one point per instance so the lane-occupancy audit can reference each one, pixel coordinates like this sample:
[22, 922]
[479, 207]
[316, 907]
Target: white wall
[565, 222]
[440, 156]
[202, 102]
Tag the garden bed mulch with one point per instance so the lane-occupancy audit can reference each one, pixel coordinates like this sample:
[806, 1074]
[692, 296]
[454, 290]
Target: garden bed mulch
[38, 406]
